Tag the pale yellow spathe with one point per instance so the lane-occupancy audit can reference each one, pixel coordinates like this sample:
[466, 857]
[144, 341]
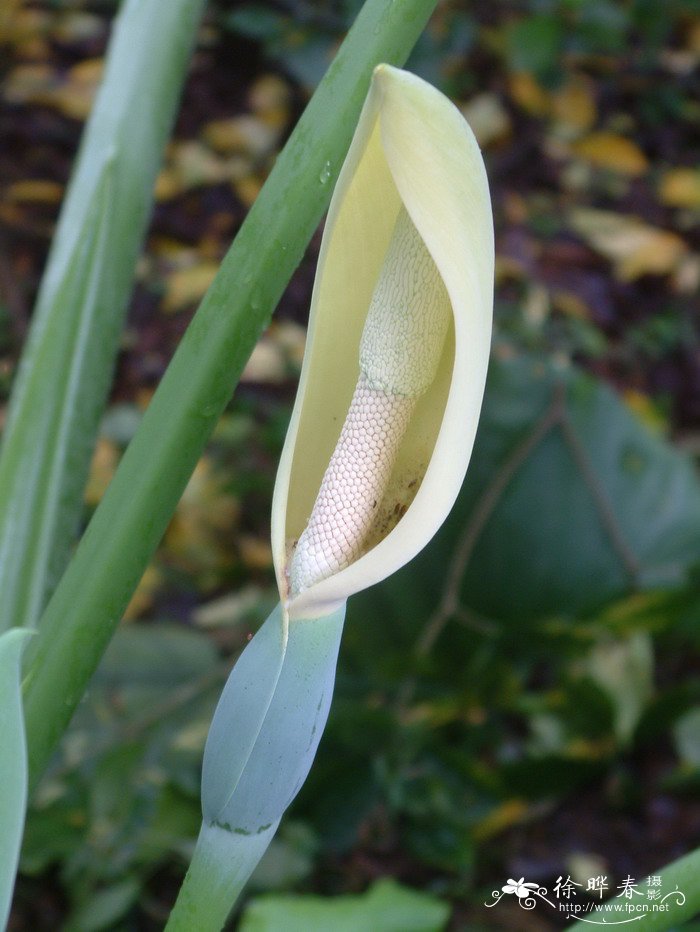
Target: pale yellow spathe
[411, 147]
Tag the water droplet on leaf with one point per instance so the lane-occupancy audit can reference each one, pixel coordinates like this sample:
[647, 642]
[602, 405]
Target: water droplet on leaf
[326, 172]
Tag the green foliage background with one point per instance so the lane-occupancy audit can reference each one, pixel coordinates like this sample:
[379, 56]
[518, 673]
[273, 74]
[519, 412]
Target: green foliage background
[524, 698]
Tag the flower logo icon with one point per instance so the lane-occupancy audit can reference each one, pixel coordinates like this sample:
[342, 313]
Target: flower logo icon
[527, 893]
[521, 889]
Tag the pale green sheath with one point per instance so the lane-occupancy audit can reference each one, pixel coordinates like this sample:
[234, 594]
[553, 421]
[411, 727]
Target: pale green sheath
[269, 721]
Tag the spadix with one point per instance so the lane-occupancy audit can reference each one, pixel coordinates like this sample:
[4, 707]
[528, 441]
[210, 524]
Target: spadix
[402, 342]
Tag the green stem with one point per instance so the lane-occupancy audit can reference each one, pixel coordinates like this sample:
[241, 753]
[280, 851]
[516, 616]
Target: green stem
[62, 384]
[684, 875]
[221, 865]
[131, 519]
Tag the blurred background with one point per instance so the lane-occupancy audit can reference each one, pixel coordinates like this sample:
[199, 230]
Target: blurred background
[523, 701]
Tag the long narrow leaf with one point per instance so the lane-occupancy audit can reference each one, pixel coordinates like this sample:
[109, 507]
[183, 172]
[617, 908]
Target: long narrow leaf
[680, 884]
[132, 517]
[13, 765]
[66, 368]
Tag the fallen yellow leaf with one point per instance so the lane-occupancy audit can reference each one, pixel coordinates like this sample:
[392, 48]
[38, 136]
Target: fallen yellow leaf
[199, 536]
[256, 552]
[191, 163]
[573, 105]
[693, 37]
[142, 599]
[186, 287]
[40, 84]
[25, 29]
[248, 189]
[29, 84]
[102, 468]
[168, 185]
[571, 304]
[680, 187]
[504, 816]
[78, 26]
[39, 191]
[266, 363]
[75, 96]
[634, 247]
[269, 97]
[487, 117]
[645, 409]
[529, 95]
[241, 135]
[611, 151]
[8, 12]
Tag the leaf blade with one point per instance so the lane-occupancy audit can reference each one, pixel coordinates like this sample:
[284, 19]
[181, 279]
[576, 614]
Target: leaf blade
[13, 765]
[66, 367]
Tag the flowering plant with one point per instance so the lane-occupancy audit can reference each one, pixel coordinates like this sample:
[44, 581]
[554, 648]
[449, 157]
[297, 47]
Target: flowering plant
[397, 353]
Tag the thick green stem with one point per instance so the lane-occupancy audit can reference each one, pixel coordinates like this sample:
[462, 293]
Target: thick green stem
[60, 391]
[131, 519]
[220, 867]
[682, 875]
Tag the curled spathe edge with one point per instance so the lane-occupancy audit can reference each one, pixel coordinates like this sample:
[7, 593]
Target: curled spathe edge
[411, 146]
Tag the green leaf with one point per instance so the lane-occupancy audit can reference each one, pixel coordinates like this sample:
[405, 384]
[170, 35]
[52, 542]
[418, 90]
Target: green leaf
[686, 734]
[624, 670]
[256, 22]
[157, 687]
[104, 908]
[534, 44]
[131, 762]
[539, 777]
[386, 907]
[159, 656]
[66, 367]
[13, 765]
[681, 875]
[288, 860]
[569, 502]
[597, 507]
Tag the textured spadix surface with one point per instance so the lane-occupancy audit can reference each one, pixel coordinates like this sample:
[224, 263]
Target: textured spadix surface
[414, 155]
[402, 341]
